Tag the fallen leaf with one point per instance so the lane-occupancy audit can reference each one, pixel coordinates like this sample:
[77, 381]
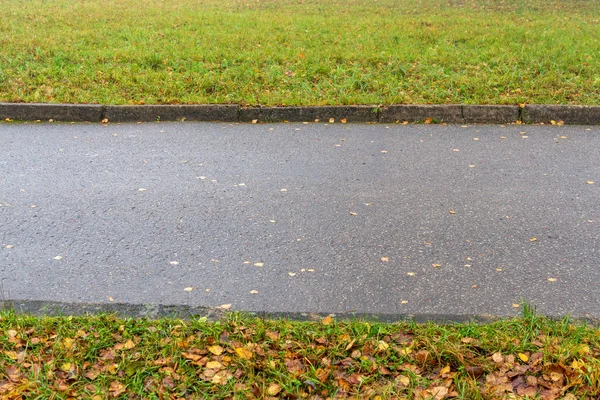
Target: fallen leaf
[515, 305]
[216, 350]
[331, 120]
[224, 306]
[273, 389]
[524, 357]
[9, 246]
[214, 365]
[533, 239]
[259, 264]
[497, 358]
[589, 182]
[116, 388]
[283, 190]
[174, 262]
[436, 265]
[244, 353]
[428, 120]
[105, 121]
[343, 120]
[384, 151]
[403, 301]
[552, 279]
[254, 121]
[58, 258]
[452, 212]
[327, 320]
[188, 289]
[142, 189]
[353, 213]
[385, 259]
[403, 379]
[410, 274]
[475, 138]
[445, 370]
[254, 292]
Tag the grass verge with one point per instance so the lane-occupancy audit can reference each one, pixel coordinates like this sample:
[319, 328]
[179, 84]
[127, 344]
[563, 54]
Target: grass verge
[103, 356]
[300, 52]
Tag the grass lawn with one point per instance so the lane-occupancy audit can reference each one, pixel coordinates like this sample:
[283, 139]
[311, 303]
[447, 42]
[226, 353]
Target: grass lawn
[300, 52]
[241, 357]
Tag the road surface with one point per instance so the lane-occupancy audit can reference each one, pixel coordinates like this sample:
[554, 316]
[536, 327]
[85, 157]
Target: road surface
[390, 221]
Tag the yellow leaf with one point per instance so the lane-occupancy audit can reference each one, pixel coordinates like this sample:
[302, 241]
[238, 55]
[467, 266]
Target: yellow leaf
[385, 259]
[403, 301]
[552, 279]
[66, 366]
[353, 213]
[67, 343]
[410, 274]
[244, 353]
[343, 120]
[445, 370]
[188, 289]
[523, 357]
[515, 305]
[274, 389]
[327, 320]
[382, 346]
[259, 264]
[533, 239]
[452, 212]
[589, 182]
[428, 120]
[216, 350]
[331, 120]
[213, 365]
[436, 265]
[404, 380]
[129, 345]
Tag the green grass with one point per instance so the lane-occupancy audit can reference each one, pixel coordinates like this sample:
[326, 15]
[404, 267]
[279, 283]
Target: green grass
[300, 52]
[241, 357]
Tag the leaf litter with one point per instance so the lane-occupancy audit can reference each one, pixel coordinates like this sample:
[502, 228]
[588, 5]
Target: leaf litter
[242, 357]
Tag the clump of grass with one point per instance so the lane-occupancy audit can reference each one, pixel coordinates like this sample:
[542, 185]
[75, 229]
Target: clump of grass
[245, 357]
[307, 52]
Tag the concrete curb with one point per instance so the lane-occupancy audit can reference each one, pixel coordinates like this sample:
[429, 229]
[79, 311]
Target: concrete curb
[363, 113]
[57, 112]
[201, 112]
[446, 113]
[575, 115]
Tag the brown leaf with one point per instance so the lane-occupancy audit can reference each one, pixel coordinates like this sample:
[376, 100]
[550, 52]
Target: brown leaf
[327, 320]
[116, 388]
[474, 371]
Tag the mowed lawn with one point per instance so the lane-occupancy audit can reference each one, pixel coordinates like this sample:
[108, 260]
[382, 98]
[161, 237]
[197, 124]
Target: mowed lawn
[300, 52]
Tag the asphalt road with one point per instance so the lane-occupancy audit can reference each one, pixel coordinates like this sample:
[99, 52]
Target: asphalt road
[385, 220]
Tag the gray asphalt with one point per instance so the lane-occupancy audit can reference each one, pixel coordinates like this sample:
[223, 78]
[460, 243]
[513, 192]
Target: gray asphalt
[385, 220]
